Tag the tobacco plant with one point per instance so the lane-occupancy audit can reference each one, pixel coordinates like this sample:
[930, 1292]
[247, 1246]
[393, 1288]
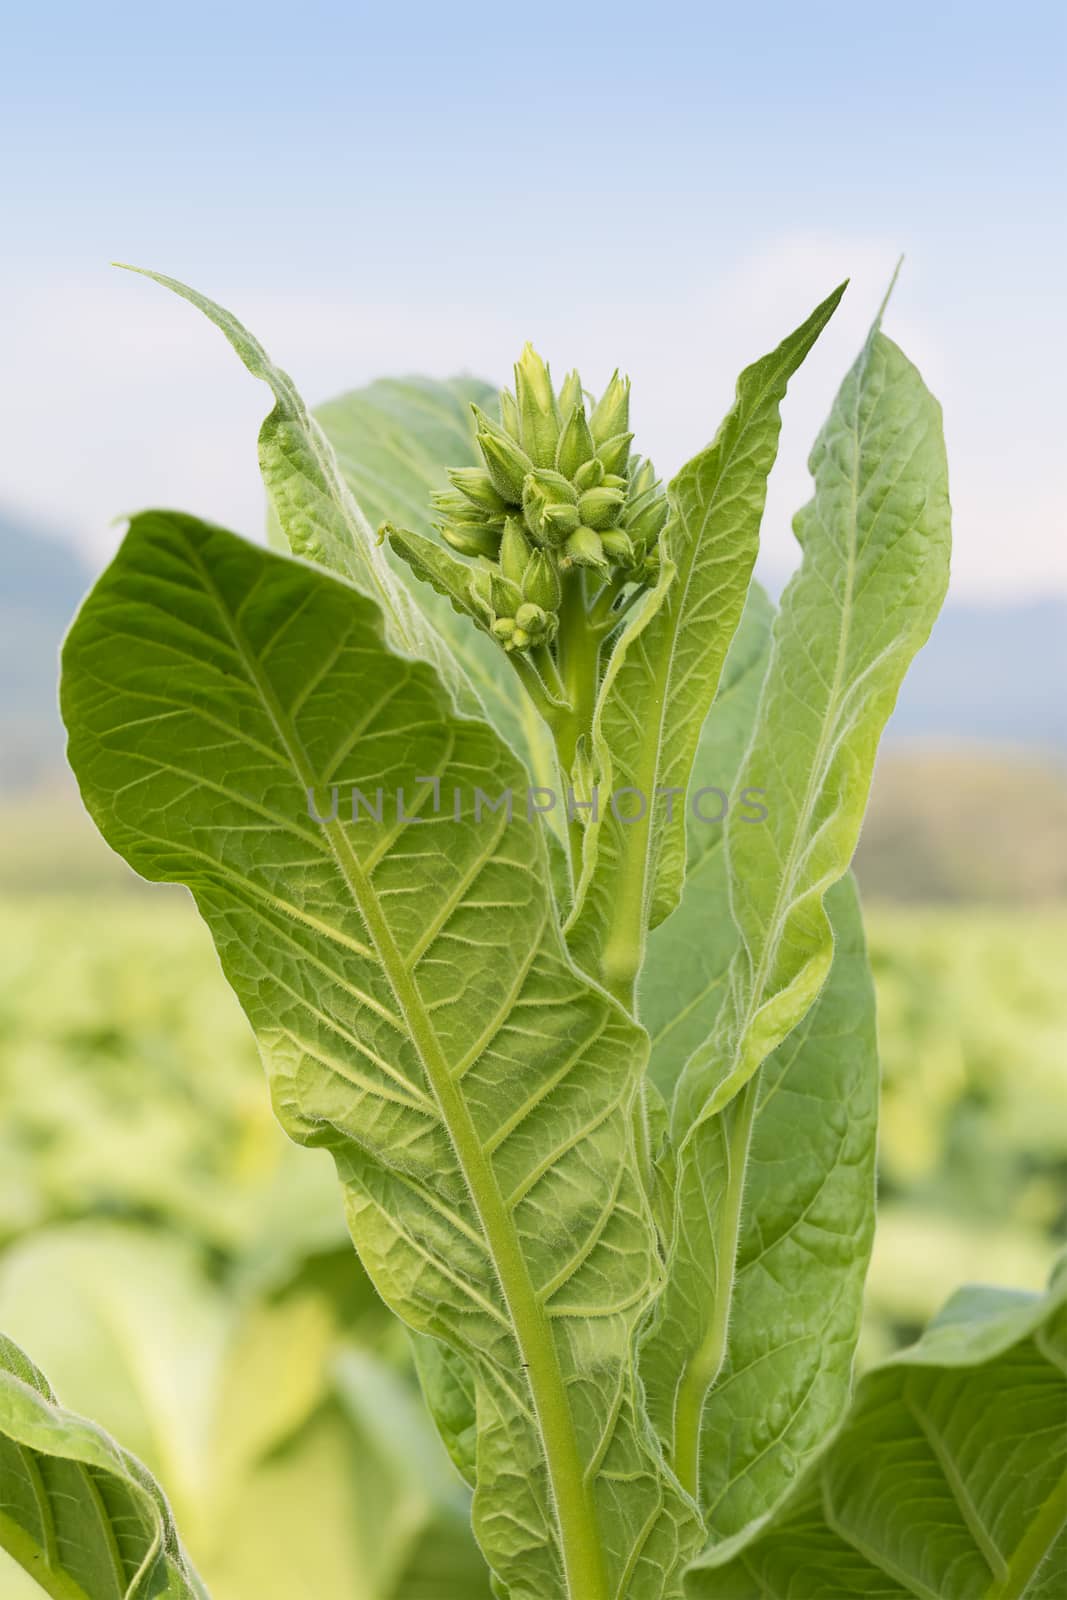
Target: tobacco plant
[522, 827]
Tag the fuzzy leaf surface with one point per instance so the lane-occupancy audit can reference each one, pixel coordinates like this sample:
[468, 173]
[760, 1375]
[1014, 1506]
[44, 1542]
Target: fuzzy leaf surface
[688, 955]
[415, 1008]
[664, 674]
[875, 542]
[776, 1211]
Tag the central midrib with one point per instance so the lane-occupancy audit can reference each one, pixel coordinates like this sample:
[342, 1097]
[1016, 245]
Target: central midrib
[575, 1516]
[703, 1368]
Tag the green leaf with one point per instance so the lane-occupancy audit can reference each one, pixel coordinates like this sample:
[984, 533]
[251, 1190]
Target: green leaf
[875, 570]
[875, 567]
[781, 1184]
[316, 510]
[81, 1515]
[664, 673]
[681, 984]
[449, 1389]
[415, 1008]
[948, 1480]
[787, 1293]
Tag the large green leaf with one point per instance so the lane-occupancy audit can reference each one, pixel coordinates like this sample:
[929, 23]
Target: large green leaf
[415, 1008]
[79, 1513]
[664, 672]
[948, 1480]
[875, 568]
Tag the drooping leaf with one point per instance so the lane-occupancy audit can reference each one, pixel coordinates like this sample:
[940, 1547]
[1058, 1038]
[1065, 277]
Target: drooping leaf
[948, 1480]
[79, 1513]
[664, 675]
[875, 567]
[414, 1005]
[316, 511]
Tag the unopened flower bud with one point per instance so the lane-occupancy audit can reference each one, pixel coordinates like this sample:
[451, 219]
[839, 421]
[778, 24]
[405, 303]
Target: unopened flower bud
[506, 595]
[476, 485]
[532, 620]
[642, 475]
[540, 584]
[515, 551]
[558, 523]
[575, 443]
[612, 414]
[503, 628]
[543, 490]
[646, 522]
[584, 549]
[506, 462]
[539, 420]
[615, 452]
[618, 546]
[600, 508]
[453, 507]
[509, 414]
[472, 539]
[589, 476]
[570, 394]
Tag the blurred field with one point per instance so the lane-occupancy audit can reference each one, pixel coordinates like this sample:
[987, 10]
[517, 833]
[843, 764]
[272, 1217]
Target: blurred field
[182, 1271]
[130, 1087]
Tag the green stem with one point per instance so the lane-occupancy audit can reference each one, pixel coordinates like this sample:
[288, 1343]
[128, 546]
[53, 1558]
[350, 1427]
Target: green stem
[603, 616]
[578, 648]
[705, 1364]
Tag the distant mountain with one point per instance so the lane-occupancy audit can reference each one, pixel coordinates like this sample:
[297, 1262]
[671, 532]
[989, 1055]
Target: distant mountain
[42, 579]
[993, 674]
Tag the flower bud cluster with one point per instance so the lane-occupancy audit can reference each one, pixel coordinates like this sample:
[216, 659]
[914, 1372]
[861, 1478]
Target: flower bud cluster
[559, 489]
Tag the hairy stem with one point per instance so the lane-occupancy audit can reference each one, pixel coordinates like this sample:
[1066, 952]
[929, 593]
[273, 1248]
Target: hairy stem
[579, 668]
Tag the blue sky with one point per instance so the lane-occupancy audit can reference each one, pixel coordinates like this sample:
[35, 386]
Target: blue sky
[666, 187]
